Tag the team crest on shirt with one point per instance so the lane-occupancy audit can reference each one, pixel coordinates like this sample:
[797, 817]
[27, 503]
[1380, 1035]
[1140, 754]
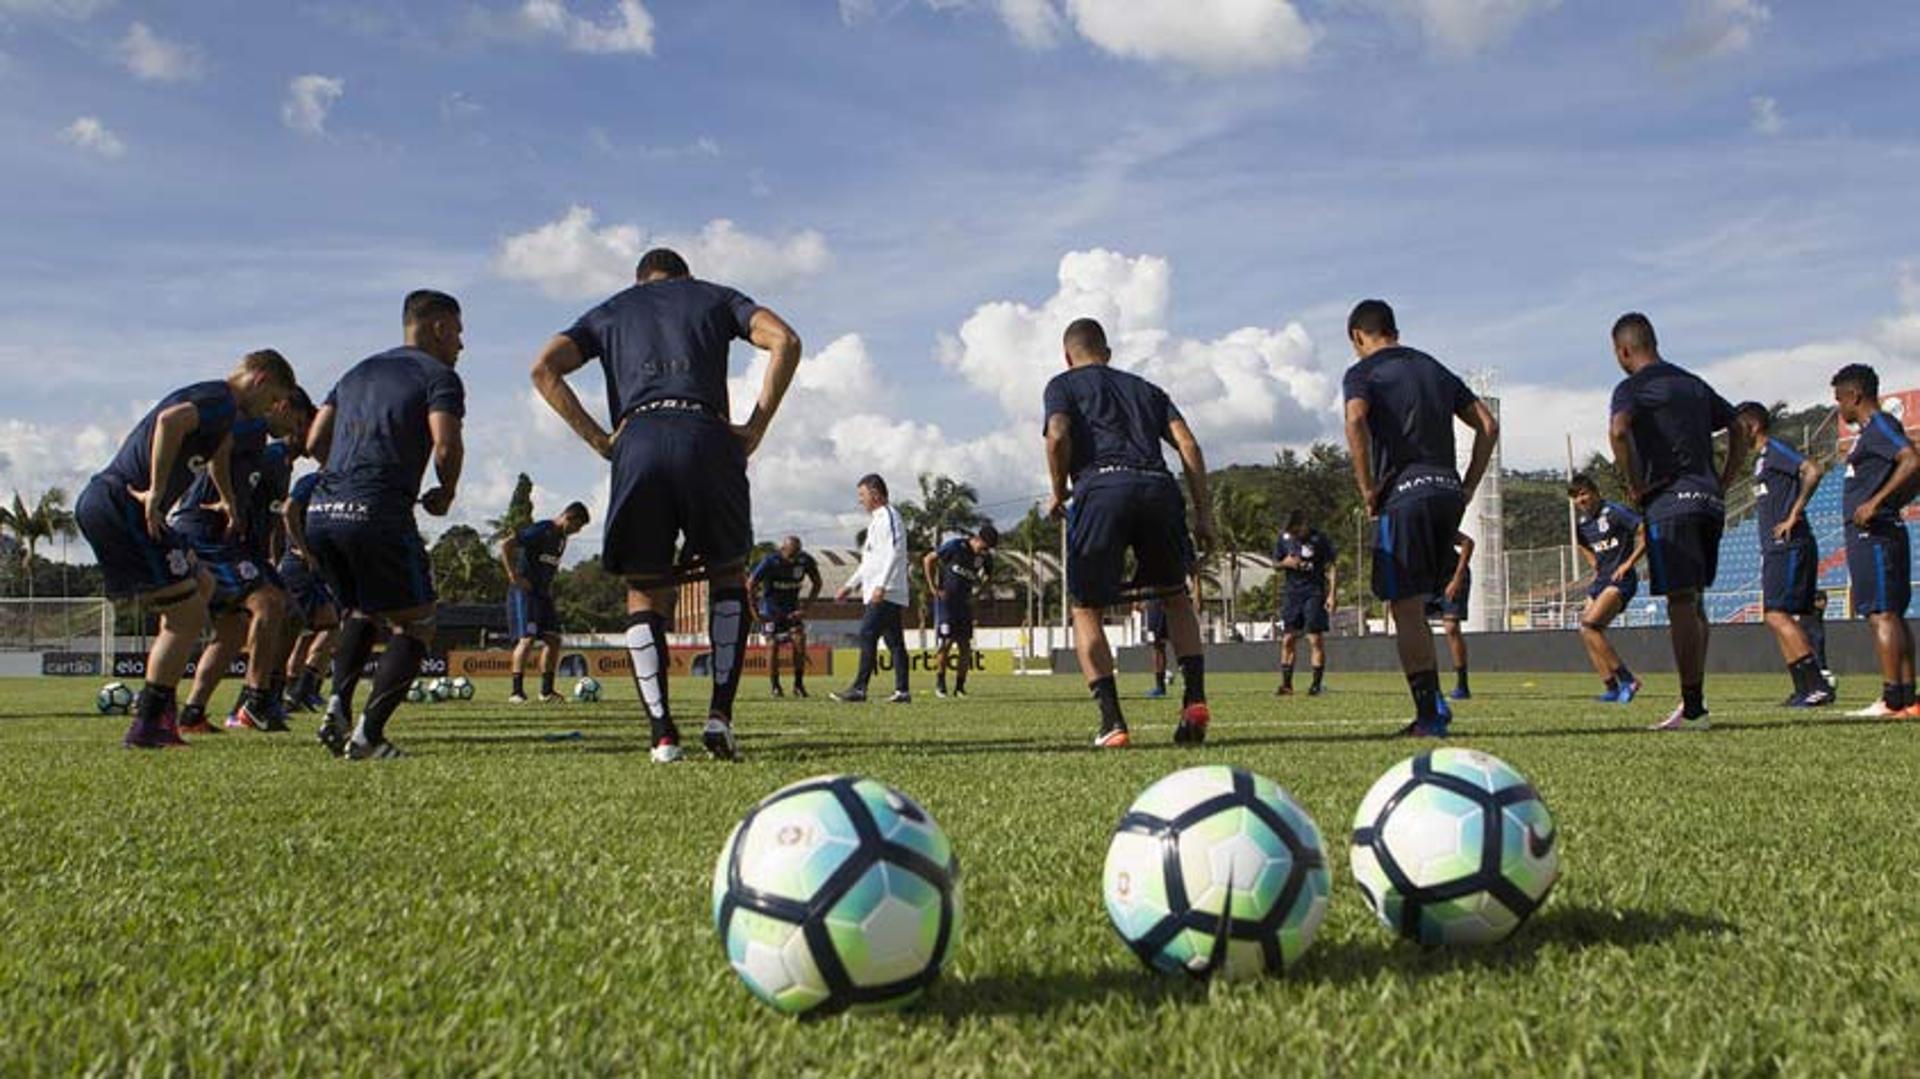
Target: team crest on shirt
[249, 571]
[177, 563]
[1602, 524]
[1306, 551]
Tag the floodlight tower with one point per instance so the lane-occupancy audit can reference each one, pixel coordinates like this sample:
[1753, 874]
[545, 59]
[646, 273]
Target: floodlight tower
[1485, 521]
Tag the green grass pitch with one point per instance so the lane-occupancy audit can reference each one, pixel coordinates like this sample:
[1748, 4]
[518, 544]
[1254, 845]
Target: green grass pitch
[1743, 901]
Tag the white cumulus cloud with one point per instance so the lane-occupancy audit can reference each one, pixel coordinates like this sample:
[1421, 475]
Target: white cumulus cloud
[1766, 118]
[36, 456]
[59, 9]
[89, 134]
[625, 27]
[1214, 35]
[1716, 29]
[572, 258]
[1462, 27]
[152, 57]
[310, 98]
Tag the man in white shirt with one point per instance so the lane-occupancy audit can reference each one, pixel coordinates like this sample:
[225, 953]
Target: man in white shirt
[881, 582]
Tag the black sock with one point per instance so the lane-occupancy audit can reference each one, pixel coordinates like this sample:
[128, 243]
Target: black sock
[647, 650]
[153, 703]
[1890, 695]
[1319, 673]
[1160, 681]
[1613, 685]
[258, 701]
[1286, 675]
[1425, 687]
[399, 666]
[1460, 677]
[277, 686]
[1622, 675]
[727, 628]
[308, 683]
[519, 684]
[546, 683]
[349, 658]
[1107, 696]
[1906, 694]
[191, 713]
[1804, 675]
[1193, 679]
[1693, 700]
[940, 679]
[799, 672]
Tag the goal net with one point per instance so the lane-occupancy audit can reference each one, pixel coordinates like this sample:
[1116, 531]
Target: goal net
[78, 628]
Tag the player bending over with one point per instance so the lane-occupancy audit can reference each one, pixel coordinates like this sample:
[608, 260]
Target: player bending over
[1880, 482]
[775, 583]
[1401, 407]
[388, 416]
[1613, 543]
[1784, 481]
[1450, 605]
[1307, 556]
[532, 558]
[679, 464]
[961, 565]
[1661, 430]
[311, 601]
[1104, 428]
[122, 512]
[881, 583]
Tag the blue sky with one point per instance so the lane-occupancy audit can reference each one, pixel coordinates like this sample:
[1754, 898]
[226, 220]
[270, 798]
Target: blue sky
[928, 189]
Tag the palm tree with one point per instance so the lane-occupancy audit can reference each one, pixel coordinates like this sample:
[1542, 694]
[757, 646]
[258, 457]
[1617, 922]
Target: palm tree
[946, 505]
[49, 518]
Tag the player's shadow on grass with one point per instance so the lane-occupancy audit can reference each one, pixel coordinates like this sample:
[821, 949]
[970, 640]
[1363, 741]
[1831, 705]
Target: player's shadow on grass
[1560, 929]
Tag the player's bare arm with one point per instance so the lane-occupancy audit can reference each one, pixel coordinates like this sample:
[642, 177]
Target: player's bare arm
[1810, 476]
[1632, 561]
[320, 436]
[1737, 450]
[1194, 464]
[510, 558]
[1906, 468]
[1360, 451]
[559, 359]
[1464, 544]
[449, 454]
[1059, 461]
[293, 521]
[1486, 432]
[1620, 439]
[771, 334]
[927, 566]
[169, 432]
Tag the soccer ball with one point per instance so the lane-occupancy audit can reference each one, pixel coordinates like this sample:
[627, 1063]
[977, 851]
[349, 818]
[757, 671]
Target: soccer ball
[461, 688]
[439, 690]
[837, 893]
[417, 692]
[586, 690]
[114, 698]
[1211, 848]
[1454, 847]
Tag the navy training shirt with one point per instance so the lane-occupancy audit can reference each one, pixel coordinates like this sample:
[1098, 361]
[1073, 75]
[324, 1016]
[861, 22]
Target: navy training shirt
[1673, 414]
[1116, 419]
[780, 580]
[133, 465]
[1776, 475]
[1610, 534]
[538, 558]
[381, 440]
[663, 340]
[1869, 467]
[961, 570]
[1317, 551]
[195, 519]
[1412, 400]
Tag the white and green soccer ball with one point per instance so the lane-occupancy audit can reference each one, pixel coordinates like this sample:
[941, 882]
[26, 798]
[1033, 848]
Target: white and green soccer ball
[440, 689]
[114, 698]
[837, 893]
[1217, 872]
[417, 692]
[461, 688]
[1454, 847]
[586, 690]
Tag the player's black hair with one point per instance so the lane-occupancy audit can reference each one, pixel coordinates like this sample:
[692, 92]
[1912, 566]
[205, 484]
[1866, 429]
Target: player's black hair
[872, 482]
[271, 364]
[1633, 331]
[661, 262]
[1373, 318]
[579, 510]
[301, 402]
[1819, 597]
[425, 303]
[1860, 376]
[1087, 336]
[1757, 411]
[1296, 519]
[1581, 483]
[989, 535]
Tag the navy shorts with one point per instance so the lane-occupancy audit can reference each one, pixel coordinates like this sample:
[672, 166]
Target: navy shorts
[530, 614]
[1413, 553]
[131, 563]
[1306, 613]
[1117, 512]
[954, 620]
[1879, 561]
[236, 575]
[1628, 588]
[1156, 628]
[1683, 551]
[1787, 577]
[781, 625]
[373, 566]
[1439, 606]
[677, 474]
[310, 594]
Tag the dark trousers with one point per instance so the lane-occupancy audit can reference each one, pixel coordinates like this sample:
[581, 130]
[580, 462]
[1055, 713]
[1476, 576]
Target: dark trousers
[882, 620]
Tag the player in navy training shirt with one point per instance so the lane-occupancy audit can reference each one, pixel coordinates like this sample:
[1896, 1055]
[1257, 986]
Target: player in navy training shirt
[532, 559]
[312, 601]
[1783, 482]
[959, 566]
[679, 464]
[1450, 605]
[775, 586]
[386, 419]
[1662, 427]
[1881, 471]
[1613, 543]
[123, 514]
[1104, 429]
[1307, 557]
[1401, 406]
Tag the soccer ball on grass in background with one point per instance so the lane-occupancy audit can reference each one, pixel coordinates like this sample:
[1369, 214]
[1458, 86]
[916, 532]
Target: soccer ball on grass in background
[440, 689]
[837, 892]
[586, 690]
[417, 692]
[1454, 847]
[461, 688]
[1211, 849]
[114, 698]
